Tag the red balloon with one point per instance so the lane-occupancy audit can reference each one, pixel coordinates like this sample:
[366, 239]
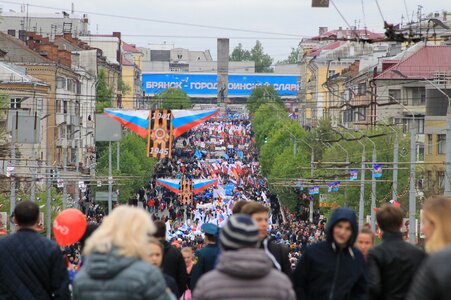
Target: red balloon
[69, 226]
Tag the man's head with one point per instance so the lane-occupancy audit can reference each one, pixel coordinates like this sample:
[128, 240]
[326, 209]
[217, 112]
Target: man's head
[160, 233]
[260, 214]
[238, 206]
[26, 214]
[210, 232]
[342, 227]
[389, 218]
[365, 241]
[239, 232]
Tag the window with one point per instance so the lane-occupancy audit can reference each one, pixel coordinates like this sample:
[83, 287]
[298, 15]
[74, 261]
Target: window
[60, 83]
[362, 89]
[39, 105]
[70, 85]
[429, 141]
[441, 143]
[420, 156]
[417, 95]
[441, 179]
[12, 32]
[65, 107]
[16, 103]
[420, 125]
[360, 113]
[330, 73]
[58, 105]
[394, 95]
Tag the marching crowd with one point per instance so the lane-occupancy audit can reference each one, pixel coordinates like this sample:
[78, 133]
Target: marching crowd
[233, 241]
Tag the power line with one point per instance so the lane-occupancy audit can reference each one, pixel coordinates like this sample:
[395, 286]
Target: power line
[135, 18]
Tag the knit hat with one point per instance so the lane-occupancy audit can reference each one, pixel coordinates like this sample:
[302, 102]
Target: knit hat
[239, 232]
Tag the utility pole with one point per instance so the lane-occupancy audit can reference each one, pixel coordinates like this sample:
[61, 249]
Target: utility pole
[110, 180]
[33, 160]
[412, 190]
[77, 187]
[395, 167]
[118, 157]
[294, 148]
[373, 190]
[347, 171]
[13, 171]
[312, 170]
[362, 187]
[65, 174]
[49, 191]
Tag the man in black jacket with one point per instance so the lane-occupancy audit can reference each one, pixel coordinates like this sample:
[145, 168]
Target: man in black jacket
[31, 266]
[393, 263]
[332, 269]
[173, 262]
[277, 253]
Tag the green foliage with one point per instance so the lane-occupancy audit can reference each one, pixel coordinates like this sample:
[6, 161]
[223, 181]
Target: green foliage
[174, 99]
[292, 58]
[123, 87]
[263, 61]
[133, 162]
[104, 93]
[240, 54]
[261, 95]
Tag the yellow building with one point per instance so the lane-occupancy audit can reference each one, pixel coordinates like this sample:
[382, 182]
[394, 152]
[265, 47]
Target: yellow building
[435, 147]
[131, 77]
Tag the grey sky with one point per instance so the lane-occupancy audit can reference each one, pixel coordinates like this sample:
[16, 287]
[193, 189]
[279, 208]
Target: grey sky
[283, 16]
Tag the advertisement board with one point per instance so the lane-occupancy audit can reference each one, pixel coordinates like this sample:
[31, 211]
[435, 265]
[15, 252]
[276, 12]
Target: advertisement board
[205, 85]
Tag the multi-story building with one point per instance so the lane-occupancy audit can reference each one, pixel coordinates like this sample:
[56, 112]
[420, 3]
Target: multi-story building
[49, 25]
[132, 96]
[167, 58]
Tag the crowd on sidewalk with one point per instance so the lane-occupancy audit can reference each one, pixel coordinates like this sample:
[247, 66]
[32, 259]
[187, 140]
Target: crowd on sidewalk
[232, 242]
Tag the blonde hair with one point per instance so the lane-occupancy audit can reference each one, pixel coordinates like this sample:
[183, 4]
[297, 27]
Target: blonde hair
[126, 228]
[187, 250]
[438, 210]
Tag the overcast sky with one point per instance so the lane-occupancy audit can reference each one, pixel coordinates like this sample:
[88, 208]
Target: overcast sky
[294, 17]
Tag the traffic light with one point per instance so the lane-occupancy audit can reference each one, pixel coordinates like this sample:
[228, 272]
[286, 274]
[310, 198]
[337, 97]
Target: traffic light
[265, 140]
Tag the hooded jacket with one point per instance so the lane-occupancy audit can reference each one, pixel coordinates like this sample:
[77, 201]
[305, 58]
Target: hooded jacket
[111, 276]
[244, 274]
[327, 272]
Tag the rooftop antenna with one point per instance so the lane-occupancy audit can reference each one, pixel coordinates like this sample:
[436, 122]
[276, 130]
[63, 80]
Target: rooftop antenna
[73, 8]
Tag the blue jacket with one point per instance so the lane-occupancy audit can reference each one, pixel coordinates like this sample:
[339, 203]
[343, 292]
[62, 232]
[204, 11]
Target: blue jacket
[32, 267]
[327, 272]
[204, 261]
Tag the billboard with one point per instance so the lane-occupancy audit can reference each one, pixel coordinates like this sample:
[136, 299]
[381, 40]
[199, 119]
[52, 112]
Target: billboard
[205, 85]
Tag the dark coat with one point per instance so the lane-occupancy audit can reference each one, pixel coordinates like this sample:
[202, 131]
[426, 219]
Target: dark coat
[112, 276]
[433, 279]
[174, 265]
[280, 253]
[32, 267]
[391, 267]
[204, 261]
[327, 272]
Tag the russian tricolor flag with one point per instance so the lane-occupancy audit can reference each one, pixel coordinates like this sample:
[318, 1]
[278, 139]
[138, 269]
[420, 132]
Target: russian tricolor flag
[135, 120]
[171, 184]
[184, 120]
[202, 185]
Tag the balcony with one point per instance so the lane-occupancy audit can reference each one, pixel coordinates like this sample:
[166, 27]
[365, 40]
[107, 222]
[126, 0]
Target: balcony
[61, 142]
[60, 119]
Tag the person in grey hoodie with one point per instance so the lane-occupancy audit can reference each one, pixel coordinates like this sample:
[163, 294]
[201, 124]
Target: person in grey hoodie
[243, 270]
[115, 267]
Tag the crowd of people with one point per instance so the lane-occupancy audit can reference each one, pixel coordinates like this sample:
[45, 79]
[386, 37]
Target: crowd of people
[233, 241]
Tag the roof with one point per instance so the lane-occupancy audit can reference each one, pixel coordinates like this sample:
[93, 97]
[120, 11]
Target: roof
[349, 34]
[17, 51]
[10, 73]
[331, 46]
[422, 64]
[126, 62]
[129, 48]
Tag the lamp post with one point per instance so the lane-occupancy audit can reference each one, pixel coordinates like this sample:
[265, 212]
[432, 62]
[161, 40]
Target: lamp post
[373, 190]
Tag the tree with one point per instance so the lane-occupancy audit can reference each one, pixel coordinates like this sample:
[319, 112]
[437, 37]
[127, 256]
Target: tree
[174, 99]
[292, 58]
[133, 162]
[240, 54]
[123, 87]
[261, 95]
[262, 60]
[104, 93]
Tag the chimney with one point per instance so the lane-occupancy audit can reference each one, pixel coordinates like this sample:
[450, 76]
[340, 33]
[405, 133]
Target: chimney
[322, 30]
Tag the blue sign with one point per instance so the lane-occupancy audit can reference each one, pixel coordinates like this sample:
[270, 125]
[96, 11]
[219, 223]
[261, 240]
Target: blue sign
[205, 85]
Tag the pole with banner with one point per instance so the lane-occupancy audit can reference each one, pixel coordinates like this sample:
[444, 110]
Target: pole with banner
[159, 143]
